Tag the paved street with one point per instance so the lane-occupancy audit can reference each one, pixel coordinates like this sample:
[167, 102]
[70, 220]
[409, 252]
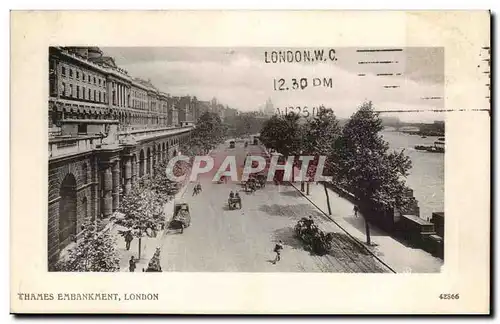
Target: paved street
[220, 239]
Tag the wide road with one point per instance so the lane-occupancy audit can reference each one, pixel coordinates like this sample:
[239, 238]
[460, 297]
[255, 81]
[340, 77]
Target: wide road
[220, 239]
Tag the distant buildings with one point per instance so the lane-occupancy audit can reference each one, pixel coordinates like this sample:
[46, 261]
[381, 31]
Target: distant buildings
[215, 107]
[269, 108]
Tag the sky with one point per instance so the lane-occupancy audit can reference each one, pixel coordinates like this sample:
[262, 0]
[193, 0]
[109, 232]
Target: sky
[242, 79]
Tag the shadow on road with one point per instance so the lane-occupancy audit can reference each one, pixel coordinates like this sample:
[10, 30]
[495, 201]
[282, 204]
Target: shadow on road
[290, 193]
[287, 235]
[292, 211]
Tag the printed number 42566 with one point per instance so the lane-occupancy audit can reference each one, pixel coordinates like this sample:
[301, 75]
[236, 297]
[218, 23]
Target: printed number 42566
[449, 296]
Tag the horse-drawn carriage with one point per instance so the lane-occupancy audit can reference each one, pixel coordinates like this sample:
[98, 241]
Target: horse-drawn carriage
[260, 180]
[234, 202]
[249, 185]
[181, 218]
[254, 182]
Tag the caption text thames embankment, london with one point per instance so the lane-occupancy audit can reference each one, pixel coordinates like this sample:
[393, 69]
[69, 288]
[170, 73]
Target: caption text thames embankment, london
[87, 296]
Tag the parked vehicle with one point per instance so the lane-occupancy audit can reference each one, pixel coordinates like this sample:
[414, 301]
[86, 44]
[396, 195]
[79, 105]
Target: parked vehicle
[234, 203]
[181, 218]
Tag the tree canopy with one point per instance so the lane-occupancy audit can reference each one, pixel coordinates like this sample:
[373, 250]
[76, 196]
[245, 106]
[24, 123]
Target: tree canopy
[142, 208]
[209, 132]
[283, 134]
[94, 251]
[243, 124]
[365, 165]
[161, 184]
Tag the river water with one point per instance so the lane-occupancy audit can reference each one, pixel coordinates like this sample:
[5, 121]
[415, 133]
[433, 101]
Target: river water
[427, 173]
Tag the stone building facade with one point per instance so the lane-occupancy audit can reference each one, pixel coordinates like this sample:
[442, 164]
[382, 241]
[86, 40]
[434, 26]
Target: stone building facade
[107, 130]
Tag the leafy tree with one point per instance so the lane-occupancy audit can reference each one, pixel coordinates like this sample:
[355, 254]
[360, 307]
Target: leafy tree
[270, 133]
[283, 134]
[320, 136]
[243, 124]
[95, 251]
[209, 132]
[374, 175]
[162, 185]
[142, 209]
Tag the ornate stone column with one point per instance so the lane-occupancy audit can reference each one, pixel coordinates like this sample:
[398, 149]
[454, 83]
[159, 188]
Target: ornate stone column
[116, 185]
[135, 170]
[128, 174]
[107, 200]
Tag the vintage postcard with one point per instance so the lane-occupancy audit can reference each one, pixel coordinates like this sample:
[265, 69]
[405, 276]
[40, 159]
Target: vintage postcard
[250, 162]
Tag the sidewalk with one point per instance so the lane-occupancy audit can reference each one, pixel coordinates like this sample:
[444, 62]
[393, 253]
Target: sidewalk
[148, 244]
[398, 256]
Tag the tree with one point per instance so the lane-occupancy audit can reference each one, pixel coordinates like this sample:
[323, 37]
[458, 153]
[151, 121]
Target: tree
[95, 251]
[283, 134]
[243, 124]
[374, 175]
[142, 209]
[161, 184]
[320, 136]
[270, 133]
[209, 132]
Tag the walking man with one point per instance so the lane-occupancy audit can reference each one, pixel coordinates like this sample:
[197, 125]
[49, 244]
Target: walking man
[356, 209]
[131, 264]
[277, 249]
[128, 238]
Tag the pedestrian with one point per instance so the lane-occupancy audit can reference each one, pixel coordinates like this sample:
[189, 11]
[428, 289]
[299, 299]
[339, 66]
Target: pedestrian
[277, 249]
[128, 238]
[356, 209]
[132, 264]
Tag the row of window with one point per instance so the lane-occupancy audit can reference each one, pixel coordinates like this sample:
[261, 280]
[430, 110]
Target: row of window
[69, 90]
[84, 77]
[138, 104]
[140, 94]
[143, 120]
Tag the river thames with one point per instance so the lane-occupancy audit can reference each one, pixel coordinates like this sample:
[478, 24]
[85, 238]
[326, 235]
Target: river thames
[427, 173]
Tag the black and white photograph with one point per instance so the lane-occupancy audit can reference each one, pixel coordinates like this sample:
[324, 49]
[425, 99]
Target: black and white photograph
[250, 162]
[365, 126]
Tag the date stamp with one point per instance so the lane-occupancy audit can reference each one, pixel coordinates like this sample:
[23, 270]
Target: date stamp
[300, 56]
[303, 111]
[282, 84]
